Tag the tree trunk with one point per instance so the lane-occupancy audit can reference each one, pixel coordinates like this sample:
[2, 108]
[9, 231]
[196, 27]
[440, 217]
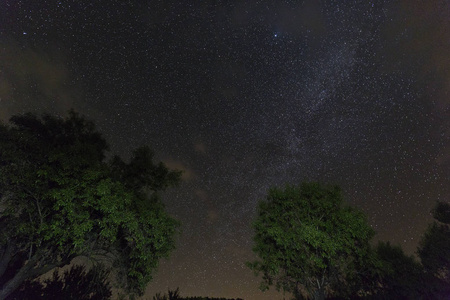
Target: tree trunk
[30, 270]
[319, 293]
[15, 282]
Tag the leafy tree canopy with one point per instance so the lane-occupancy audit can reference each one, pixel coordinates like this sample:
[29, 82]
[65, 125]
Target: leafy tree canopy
[309, 243]
[61, 199]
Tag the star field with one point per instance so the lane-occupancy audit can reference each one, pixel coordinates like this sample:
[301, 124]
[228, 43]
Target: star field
[245, 95]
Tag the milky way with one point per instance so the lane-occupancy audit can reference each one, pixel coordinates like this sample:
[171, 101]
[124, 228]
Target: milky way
[245, 96]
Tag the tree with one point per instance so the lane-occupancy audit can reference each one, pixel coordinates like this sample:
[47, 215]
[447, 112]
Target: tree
[75, 283]
[434, 251]
[171, 295]
[309, 244]
[441, 212]
[434, 248]
[402, 276]
[60, 198]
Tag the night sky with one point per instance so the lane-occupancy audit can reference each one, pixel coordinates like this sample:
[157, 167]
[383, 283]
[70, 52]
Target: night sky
[245, 95]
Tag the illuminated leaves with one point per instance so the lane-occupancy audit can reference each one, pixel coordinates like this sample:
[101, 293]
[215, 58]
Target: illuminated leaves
[304, 235]
[64, 195]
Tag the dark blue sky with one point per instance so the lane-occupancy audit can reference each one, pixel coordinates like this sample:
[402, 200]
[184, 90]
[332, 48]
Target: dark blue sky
[244, 95]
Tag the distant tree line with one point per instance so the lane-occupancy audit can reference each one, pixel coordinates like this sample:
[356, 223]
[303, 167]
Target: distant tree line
[175, 295]
[208, 298]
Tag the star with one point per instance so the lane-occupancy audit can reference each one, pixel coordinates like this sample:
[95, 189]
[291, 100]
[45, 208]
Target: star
[245, 101]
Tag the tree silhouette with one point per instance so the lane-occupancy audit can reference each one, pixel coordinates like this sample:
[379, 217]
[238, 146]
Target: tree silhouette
[434, 251]
[403, 275]
[175, 295]
[171, 295]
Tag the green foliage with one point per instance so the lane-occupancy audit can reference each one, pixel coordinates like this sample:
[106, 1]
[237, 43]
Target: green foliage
[309, 243]
[61, 199]
[75, 283]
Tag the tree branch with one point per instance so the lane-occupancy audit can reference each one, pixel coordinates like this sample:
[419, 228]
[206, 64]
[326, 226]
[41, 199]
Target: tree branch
[18, 278]
[30, 270]
[39, 211]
